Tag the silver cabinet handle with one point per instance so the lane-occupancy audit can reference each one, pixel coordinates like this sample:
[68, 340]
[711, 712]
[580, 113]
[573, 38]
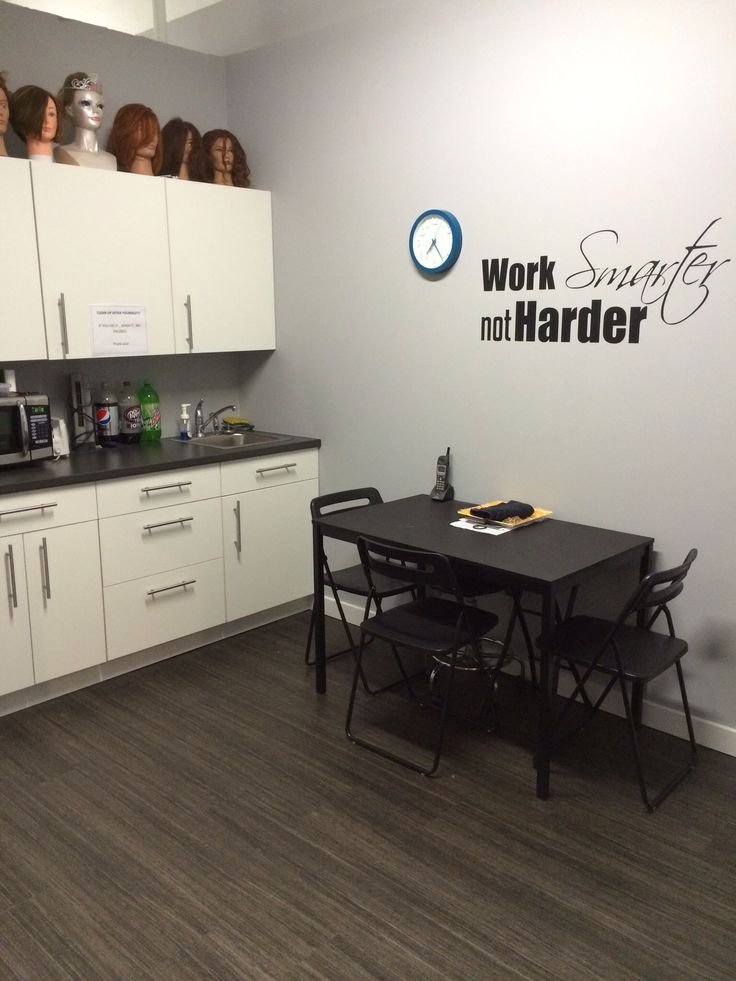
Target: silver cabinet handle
[190, 329]
[24, 434]
[64, 332]
[13, 594]
[238, 543]
[281, 466]
[177, 585]
[35, 507]
[165, 524]
[45, 556]
[179, 485]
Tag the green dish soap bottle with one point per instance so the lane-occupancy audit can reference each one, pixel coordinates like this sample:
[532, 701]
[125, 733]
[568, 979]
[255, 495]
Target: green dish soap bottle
[150, 413]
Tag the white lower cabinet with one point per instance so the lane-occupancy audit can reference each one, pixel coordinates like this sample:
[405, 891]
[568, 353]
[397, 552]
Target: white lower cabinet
[16, 655]
[100, 571]
[161, 566]
[64, 599]
[151, 610]
[267, 531]
[51, 566]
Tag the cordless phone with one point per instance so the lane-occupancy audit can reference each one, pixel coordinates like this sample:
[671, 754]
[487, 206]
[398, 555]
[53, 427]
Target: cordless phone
[443, 489]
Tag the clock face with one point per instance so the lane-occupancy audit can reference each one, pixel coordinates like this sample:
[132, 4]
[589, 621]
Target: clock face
[435, 241]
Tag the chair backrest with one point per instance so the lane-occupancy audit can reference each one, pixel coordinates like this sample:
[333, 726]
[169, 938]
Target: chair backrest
[657, 590]
[419, 569]
[346, 500]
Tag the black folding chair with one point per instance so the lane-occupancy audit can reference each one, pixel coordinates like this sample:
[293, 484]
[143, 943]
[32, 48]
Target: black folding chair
[432, 624]
[351, 580]
[630, 655]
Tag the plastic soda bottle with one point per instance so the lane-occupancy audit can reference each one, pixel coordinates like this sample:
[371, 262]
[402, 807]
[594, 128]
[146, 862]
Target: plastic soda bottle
[150, 413]
[107, 420]
[130, 414]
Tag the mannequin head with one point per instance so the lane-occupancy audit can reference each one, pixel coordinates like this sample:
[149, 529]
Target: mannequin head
[81, 101]
[183, 155]
[4, 113]
[135, 139]
[35, 117]
[226, 158]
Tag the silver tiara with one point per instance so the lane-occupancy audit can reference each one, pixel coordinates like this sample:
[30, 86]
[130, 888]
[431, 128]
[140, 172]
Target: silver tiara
[91, 84]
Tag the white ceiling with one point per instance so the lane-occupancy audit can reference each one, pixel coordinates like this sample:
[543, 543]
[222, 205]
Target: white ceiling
[220, 27]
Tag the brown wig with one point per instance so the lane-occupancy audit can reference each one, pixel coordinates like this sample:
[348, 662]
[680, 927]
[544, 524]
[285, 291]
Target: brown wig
[28, 106]
[174, 137]
[134, 126]
[241, 171]
[4, 86]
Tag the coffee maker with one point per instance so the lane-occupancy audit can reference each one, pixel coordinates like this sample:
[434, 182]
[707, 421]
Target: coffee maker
[83, 417]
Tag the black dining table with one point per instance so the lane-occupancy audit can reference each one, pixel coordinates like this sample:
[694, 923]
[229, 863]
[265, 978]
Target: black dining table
[549, 558]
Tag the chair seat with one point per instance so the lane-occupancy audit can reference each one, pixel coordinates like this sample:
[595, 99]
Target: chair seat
[353, 580]
[644, 653]
[429, 624]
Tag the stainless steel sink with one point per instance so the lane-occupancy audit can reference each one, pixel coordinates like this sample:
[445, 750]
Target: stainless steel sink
[227, 441]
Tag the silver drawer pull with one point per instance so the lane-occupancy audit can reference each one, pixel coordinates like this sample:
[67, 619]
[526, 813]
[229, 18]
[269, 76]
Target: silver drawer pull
[177, 585]
[34, 507]
[179, 485]
[238, 543]
[13, 594]
[165, 524]
[45, 556]
[281, 466]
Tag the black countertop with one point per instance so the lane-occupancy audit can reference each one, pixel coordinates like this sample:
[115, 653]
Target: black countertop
[127, 461]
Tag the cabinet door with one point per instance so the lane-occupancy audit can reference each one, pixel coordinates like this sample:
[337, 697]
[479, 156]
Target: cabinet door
[221, 267]
[22, 335]
[102, 242]
[65, 599]
[268, 547]
[16, 660]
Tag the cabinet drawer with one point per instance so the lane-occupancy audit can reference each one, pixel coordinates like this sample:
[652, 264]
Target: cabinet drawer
[35, 510]
[268, 471]
[155, 609]
[154, 541]
[155, 490]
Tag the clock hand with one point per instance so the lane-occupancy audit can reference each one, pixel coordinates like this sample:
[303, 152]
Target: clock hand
[432, 246]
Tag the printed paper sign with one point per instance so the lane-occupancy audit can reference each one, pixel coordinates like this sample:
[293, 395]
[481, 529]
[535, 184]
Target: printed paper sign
[119, 330]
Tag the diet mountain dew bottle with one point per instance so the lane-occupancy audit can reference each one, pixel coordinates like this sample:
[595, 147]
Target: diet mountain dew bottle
[150, 413]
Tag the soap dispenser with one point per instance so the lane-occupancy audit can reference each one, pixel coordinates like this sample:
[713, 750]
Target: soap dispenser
[184, 430]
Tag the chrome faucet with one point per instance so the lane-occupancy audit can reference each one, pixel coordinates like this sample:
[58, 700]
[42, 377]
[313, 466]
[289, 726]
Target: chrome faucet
[201, 424]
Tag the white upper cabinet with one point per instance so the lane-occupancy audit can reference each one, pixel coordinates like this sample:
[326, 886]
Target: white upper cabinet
[102, 243]
[22, 336]
[221, 267]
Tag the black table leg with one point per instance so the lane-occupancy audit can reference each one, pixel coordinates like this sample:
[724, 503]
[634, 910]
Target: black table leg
[320, 674]
[546, 694]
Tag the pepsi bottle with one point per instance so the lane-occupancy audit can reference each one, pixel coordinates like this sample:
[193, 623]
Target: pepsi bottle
[107, 416]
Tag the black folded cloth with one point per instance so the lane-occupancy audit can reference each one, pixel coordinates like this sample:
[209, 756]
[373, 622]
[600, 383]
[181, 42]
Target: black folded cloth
[500, 512]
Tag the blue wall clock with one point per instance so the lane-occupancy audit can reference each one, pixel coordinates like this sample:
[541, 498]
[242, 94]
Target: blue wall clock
[435, 241]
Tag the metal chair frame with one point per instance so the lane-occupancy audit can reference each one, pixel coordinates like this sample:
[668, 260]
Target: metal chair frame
[614, 646]
[464, 625]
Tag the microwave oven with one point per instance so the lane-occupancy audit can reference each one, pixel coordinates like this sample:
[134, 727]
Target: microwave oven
[25, 428]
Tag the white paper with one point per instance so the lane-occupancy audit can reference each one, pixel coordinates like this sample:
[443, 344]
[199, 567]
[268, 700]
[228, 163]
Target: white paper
[119, 330]
[482, 529]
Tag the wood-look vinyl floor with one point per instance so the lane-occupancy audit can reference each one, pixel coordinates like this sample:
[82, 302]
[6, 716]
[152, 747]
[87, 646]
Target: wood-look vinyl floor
[206, 818]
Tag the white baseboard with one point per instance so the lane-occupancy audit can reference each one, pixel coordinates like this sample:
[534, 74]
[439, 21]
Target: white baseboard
[712, 735]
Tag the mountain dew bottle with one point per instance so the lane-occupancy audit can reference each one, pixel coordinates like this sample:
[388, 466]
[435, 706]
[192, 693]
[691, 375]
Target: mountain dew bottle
[150, 413]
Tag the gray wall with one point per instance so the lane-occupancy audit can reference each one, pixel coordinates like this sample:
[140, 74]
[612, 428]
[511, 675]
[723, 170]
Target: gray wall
[535, 123]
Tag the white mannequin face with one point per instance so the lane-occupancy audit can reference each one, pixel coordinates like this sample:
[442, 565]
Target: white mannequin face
[50, 122]
[222, 155]
[4, 113]
[86, 109]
